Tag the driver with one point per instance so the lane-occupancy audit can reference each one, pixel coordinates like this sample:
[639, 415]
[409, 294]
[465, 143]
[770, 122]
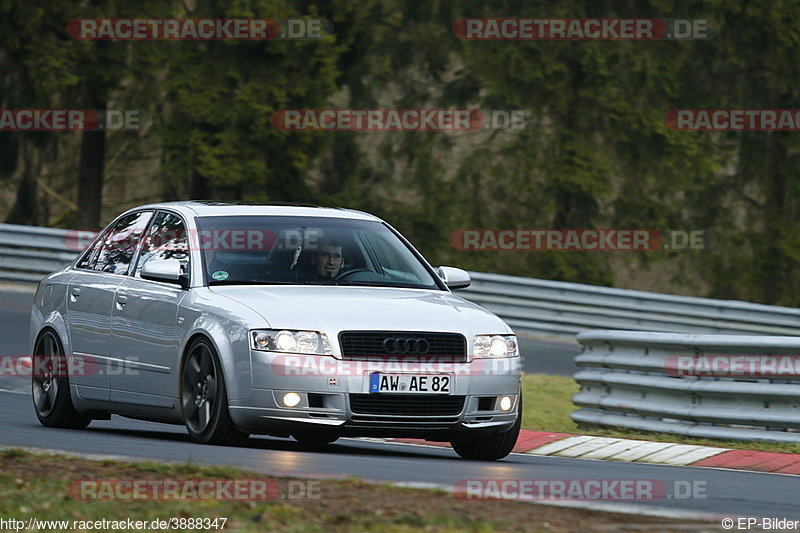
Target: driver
[328, 260]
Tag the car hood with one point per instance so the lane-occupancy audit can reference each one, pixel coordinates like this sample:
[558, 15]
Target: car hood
[333, 309]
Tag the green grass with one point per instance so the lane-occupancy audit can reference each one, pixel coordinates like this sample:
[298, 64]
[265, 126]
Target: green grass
[36, 485]
[548, 404]
[33, 485]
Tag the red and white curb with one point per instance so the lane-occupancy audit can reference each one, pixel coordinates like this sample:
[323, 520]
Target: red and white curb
[644, 451]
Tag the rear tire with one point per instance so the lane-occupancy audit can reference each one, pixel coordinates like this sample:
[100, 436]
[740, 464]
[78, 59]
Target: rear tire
[50, 390]
[490, 447]
[204, 398]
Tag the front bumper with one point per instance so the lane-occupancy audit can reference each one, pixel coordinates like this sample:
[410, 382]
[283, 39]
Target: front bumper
[334, 397]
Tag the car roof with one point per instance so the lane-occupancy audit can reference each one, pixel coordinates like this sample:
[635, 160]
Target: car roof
[214, 208]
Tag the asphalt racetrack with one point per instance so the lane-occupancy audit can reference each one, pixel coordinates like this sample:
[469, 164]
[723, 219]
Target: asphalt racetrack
[724, 493]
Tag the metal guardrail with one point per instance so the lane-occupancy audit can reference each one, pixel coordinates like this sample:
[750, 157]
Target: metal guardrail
[561, 309]
[533, 306]
[630, 379]
[29, 253]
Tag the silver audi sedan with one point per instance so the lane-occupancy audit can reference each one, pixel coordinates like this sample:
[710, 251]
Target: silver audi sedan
[308, 322]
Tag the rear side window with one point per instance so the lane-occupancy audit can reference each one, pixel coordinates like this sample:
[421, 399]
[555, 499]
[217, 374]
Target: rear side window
[167, 239]
[117, 247]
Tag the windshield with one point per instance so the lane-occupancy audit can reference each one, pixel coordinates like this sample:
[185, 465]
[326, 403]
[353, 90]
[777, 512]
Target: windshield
[239, 250]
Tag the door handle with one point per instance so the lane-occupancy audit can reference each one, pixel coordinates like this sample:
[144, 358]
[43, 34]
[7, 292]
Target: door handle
[121, 301]
[74, 293]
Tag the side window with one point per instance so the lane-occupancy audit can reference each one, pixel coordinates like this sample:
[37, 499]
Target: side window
[167, 239]
[90, 255]
[119, 244]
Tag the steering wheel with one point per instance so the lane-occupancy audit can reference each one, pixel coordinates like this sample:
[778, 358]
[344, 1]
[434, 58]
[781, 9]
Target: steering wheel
[345, 275]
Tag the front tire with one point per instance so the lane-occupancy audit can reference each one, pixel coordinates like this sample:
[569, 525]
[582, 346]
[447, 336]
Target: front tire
[204, 399]
[491, 447]
[50, 386]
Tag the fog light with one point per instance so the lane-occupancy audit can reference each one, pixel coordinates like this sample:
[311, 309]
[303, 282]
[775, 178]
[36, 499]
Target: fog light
[505, 403]
[291, 399]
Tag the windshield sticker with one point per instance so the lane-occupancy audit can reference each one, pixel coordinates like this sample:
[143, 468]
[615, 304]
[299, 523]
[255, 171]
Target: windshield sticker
[220, 275]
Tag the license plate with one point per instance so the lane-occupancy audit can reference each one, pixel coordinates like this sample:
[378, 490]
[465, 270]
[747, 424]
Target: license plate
[410, 383]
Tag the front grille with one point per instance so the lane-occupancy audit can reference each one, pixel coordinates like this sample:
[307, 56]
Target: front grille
[370, 344]
[406, 404]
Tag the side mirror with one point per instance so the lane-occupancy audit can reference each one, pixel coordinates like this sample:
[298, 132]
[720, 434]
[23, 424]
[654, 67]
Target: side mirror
[454, 278]
[165, 270]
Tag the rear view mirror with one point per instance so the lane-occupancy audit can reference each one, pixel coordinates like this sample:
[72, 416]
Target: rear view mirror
[454, 278]
[165, 270]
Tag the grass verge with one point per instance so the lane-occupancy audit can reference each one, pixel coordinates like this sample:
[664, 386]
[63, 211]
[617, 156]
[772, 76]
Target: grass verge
[548, 404]
[36, 485]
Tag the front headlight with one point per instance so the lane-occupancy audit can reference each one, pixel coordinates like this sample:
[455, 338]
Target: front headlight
[488, 346]
[284, 340]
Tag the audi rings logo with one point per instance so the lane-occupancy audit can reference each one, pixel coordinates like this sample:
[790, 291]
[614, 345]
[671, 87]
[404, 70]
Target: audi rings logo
[406, 346]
